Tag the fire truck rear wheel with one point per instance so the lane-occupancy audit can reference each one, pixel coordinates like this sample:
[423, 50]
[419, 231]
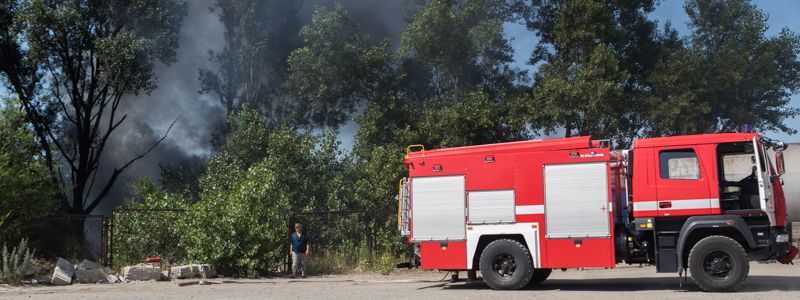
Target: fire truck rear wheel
[506, 265]
[718, 264]
[539, 276]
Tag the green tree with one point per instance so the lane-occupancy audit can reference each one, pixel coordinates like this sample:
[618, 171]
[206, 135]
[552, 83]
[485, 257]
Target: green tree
[463, 43]
[87, 56]
[744, 76]
[239, 223]
[26, 191]
[259, 35]
[595, 57]
[336, 69]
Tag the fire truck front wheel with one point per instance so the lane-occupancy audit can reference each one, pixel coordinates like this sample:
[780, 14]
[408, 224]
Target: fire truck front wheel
[506, 265]
[718, 264]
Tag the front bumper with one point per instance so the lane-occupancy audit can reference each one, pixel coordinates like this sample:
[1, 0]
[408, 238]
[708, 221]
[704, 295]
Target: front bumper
[782, 246]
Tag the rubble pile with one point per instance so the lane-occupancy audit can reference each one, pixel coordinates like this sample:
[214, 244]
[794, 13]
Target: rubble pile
[87, 271]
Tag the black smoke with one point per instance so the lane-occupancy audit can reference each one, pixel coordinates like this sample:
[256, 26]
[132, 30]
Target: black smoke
[198, 115]
[176, 97]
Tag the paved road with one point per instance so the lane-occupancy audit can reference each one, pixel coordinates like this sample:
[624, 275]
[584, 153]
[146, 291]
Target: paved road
[766, 281]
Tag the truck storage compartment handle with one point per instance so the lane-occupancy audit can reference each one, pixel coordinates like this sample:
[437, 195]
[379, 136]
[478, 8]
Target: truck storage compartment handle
[665, 204]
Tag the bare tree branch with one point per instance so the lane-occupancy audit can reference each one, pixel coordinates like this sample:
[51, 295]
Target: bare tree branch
[119, 171]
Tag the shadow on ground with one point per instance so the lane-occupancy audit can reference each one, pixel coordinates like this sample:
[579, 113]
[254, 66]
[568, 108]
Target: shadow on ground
[753, 283]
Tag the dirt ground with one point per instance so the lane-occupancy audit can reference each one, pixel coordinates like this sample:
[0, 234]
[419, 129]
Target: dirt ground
[766, 281]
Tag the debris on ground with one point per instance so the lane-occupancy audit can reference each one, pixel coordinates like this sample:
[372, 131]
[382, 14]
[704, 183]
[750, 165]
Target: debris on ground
[62, 274]
[113, 279]
[199, 282]
[89, 271]
[91, 276]
[28, 269]
[89, 265]
[142, 272]
[193, 271]
[165, 275]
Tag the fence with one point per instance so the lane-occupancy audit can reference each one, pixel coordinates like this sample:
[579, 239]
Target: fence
[61, 237]
[139, 233]
[339, 239]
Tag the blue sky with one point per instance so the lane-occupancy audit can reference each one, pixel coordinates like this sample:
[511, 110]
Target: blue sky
[781, 13]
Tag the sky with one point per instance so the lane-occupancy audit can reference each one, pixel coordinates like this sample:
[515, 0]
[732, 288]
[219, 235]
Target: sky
[781, 13]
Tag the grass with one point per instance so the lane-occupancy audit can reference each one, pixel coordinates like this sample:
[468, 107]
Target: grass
[342, 262]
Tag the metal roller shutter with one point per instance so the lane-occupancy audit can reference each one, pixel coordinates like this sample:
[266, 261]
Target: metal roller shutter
[576, 200]
[438, 208]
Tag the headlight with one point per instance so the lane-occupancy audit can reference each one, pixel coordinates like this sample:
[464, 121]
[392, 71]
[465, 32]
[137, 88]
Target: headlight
[782, 238]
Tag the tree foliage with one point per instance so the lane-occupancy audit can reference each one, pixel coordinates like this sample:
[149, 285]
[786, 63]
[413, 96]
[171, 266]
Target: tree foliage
[728, 73]
[87, 56]
[463, 43]
[336, 69]
[259, 35]
[26, 192]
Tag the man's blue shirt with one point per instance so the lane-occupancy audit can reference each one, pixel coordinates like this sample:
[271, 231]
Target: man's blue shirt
[299, 243]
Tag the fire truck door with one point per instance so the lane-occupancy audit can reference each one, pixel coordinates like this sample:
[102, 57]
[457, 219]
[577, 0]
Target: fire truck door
[681, 185]
[766, 197]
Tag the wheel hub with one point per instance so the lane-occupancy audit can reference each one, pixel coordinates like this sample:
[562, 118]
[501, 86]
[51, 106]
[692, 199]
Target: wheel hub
[504, 265]
[717, 264]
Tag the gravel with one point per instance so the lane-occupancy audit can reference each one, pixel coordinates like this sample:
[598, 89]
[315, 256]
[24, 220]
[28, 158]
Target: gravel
[766, 281]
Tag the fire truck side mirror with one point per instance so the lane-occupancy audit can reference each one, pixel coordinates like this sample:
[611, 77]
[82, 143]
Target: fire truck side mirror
[779, 163]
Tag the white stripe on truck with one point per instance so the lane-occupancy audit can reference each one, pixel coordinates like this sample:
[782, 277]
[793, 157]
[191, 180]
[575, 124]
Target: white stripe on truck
[677, 204]
[530, 209]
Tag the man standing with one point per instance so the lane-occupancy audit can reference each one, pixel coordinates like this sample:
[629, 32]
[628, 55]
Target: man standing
[300, 251]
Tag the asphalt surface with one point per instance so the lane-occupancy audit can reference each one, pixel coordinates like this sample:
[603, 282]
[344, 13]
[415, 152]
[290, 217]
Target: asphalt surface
[766, 281]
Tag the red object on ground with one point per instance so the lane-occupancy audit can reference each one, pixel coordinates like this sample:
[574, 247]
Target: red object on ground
[789, 257]
[153, 259]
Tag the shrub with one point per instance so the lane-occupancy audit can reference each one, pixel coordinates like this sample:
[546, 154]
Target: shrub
[14, 263]
[386, 264]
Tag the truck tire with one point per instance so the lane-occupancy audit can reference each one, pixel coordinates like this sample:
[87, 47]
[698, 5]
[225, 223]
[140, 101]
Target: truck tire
[539, 276]
[718, 264]
[506, 265]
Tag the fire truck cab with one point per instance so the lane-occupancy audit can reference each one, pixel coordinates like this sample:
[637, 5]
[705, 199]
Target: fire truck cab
[515, 211]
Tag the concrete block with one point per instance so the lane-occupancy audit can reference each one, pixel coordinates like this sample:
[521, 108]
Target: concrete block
[179, 272]
[89, 265]
[193, 271]
[62, 274]
[91, 276]
[141, 272]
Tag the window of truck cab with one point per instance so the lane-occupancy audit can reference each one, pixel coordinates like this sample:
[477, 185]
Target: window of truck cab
[678, 164]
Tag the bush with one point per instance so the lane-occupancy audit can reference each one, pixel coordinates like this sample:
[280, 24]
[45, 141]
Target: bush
[386, 264]
[26, 189]
[238, 222]
[142, 234]
[14, 263]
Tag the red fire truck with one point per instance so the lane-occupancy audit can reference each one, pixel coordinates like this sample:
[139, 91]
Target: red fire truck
[699, 204]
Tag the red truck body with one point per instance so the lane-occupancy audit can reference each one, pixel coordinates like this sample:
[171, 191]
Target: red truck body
[575, 203]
